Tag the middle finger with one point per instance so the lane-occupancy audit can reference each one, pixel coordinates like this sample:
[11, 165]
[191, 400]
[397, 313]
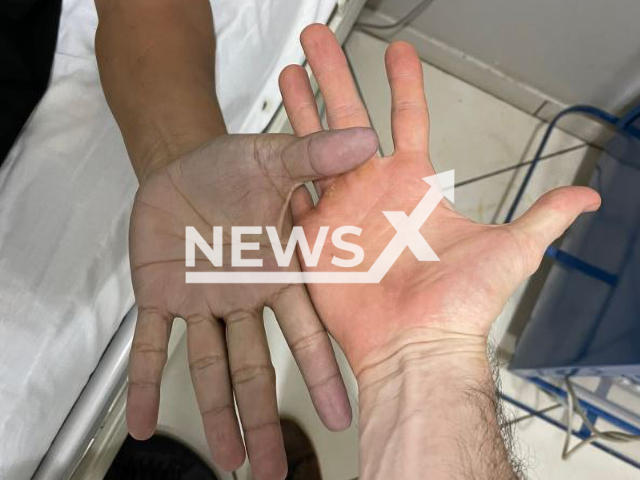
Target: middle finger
[329, 66]
[254, 384]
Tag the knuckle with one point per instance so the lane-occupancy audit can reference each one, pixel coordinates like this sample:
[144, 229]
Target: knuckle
[145, 384]
[261, 426]
[321, 382]
[407, 106]
[310, 342]
[195, 320]
[151, 311]
[253, 373]
[148, 350]
[304, 108]
[208, 361]
[217, 410]
[344, 111]
[241, 316]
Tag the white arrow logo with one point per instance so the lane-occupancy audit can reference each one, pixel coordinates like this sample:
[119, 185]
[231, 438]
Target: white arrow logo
[407, 235]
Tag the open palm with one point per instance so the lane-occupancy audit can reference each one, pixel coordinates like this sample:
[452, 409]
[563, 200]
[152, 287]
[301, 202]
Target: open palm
[234, 180]
[480, 265]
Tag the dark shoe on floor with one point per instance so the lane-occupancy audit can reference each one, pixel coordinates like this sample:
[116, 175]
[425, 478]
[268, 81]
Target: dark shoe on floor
[301, 457]
[159, 458]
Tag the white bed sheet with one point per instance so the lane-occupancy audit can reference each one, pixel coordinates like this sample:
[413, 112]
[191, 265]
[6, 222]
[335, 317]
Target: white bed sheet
[66, 190]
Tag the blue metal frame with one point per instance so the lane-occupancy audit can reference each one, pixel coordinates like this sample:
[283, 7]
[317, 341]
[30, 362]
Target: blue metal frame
[576, 433]
[625, 126]
[620, 124]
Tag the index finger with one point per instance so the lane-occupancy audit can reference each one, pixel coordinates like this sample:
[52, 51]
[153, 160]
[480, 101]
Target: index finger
[299, 101]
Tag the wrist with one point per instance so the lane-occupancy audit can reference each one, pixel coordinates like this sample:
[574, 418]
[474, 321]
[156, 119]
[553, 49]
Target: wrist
[428, 408]
[152, 154]
[431, 352]
[426, 369]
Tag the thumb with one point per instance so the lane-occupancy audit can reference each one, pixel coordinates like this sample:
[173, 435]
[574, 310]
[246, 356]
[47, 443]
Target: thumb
[554, 212]
[329, 153]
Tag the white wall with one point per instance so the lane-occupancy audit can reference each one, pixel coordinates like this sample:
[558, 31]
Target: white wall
[575, 51]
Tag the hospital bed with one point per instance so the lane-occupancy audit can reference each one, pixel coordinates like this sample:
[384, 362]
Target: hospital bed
[67, 309]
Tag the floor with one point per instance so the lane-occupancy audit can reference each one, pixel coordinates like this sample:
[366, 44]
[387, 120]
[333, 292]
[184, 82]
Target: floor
[485, 140]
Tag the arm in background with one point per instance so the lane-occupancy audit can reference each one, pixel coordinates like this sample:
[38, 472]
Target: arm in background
[157, 67]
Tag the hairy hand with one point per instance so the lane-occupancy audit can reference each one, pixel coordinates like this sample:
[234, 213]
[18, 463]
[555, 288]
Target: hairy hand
[480, 265]
[234, 180]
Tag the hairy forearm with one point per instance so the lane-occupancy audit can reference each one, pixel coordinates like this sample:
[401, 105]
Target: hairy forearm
[156, 61]
[428, 410]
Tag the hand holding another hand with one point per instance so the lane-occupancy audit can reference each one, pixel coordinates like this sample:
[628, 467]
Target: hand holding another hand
[233, 180]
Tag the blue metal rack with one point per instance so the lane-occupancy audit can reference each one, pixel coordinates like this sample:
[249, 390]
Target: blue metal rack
[600, 278]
